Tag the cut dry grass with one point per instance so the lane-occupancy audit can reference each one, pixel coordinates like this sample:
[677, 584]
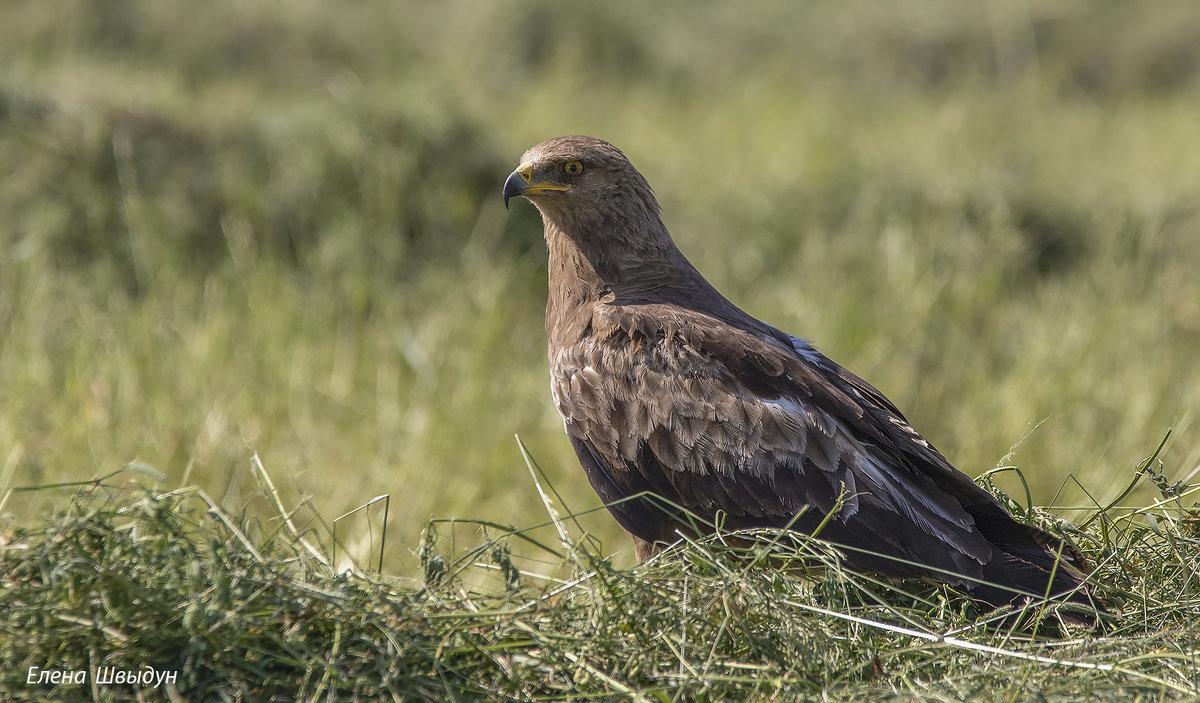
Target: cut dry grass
[244, 609]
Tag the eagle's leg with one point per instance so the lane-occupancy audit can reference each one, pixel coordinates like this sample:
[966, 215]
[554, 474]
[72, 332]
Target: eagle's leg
[644, 549]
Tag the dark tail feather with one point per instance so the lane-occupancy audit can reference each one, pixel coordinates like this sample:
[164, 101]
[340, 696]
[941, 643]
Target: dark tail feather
[1020, 574]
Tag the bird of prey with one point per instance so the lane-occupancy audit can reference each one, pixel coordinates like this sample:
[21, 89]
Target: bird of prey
[668, 389]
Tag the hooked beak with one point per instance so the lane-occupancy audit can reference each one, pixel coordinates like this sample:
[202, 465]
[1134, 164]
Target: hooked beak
[515, 185]
[520, 182]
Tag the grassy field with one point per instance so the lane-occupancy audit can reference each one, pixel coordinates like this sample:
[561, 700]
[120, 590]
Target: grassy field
[275, 229]
[213, 606]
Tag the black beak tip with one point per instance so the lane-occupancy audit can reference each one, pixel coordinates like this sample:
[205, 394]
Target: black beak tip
[514, 185]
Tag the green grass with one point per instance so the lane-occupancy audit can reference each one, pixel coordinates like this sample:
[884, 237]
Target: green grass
[276, 229]
[251, 609]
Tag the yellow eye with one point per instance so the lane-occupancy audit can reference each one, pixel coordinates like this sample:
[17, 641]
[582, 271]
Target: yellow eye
[572, 168]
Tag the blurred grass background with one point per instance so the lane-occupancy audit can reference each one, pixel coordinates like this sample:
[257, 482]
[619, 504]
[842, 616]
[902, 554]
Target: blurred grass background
[276, 227]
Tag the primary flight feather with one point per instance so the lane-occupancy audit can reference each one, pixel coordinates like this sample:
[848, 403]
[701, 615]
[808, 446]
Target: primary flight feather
[667, 388]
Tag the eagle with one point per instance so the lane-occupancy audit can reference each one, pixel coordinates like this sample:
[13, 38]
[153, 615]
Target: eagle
[686, 412]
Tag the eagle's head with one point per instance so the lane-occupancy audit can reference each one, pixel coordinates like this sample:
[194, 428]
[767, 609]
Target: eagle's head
[580, 181]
